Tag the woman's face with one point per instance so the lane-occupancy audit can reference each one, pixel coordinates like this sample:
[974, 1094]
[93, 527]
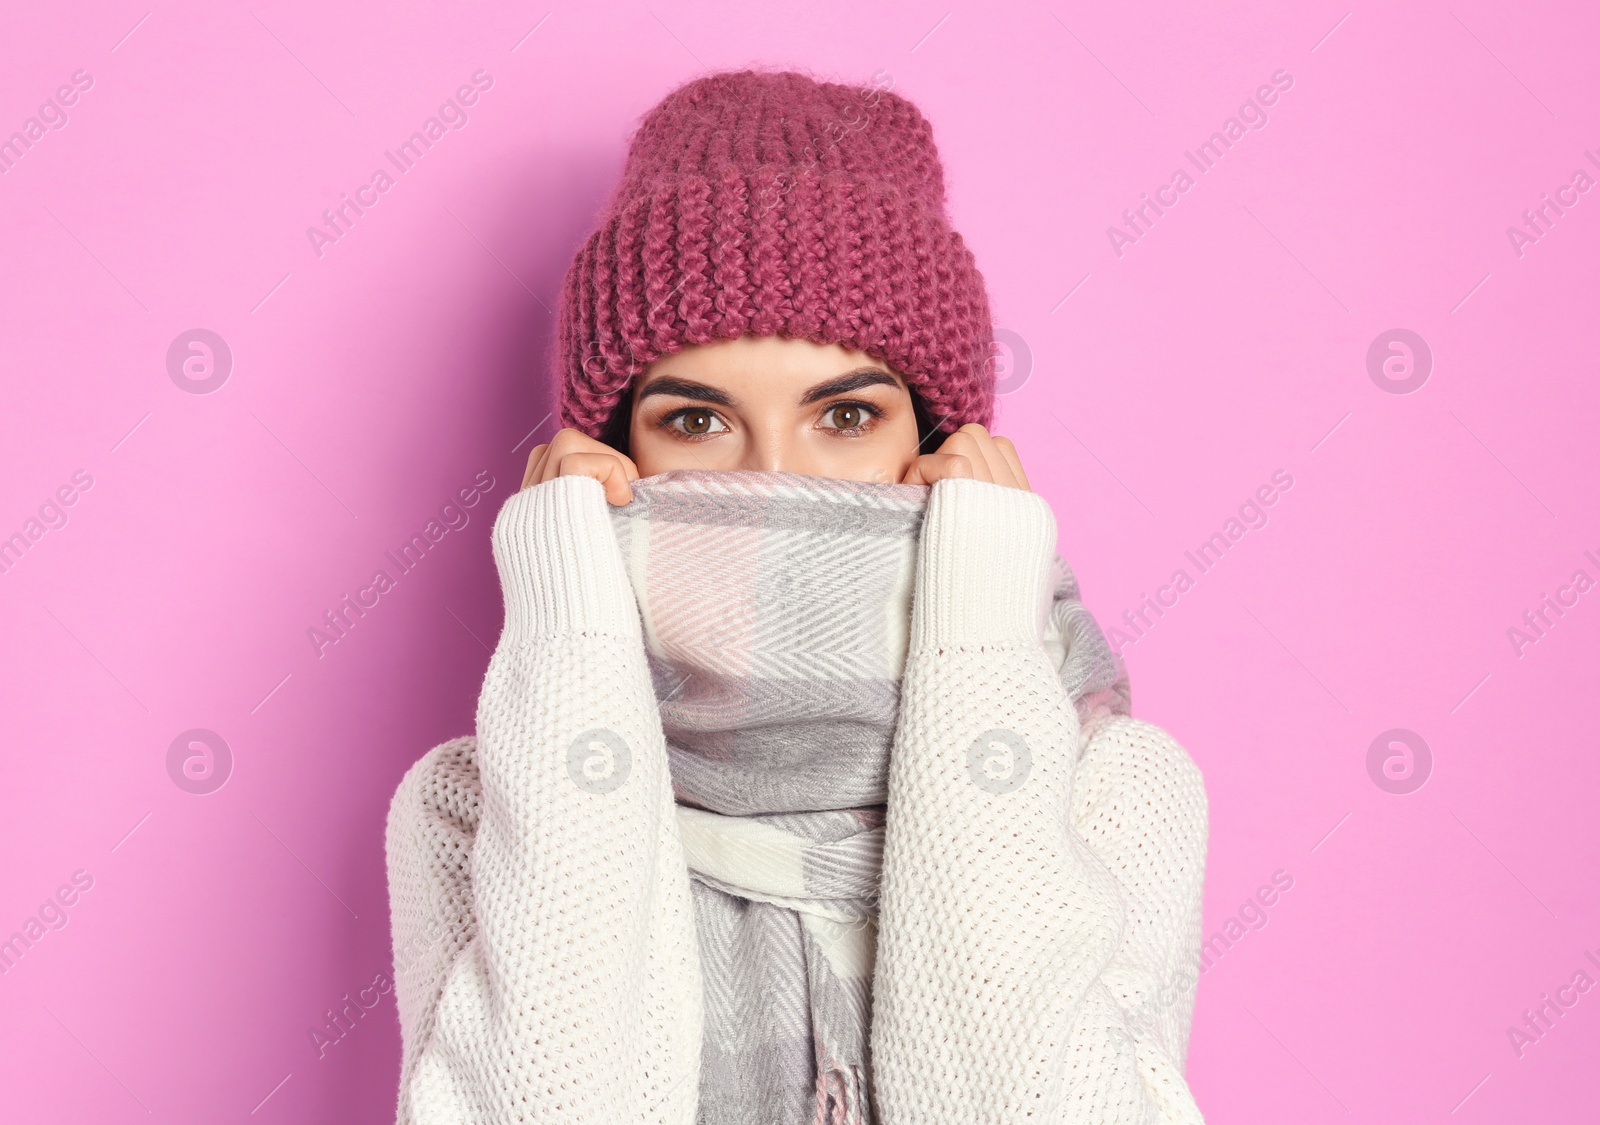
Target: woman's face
[774, 403]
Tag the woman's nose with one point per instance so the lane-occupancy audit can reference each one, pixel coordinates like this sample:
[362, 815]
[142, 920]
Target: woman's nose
[770, 453]
[770, 460]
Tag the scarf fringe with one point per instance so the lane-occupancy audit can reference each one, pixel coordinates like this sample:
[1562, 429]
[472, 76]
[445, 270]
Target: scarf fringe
[841, 1093]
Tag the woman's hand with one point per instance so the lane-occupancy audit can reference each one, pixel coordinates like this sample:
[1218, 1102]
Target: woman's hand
[574, 453]
[970, 452]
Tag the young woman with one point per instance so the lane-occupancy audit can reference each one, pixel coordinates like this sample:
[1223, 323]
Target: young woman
[803, 789]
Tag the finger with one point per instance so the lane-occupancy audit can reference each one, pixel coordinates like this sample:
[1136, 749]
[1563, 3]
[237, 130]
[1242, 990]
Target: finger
[628, 466]
[1009, 452]
[618, 490]
[530, 475]
[931, 467]
[994, 462]
[580, 442]
[567, 440]
[965, 443]
[603, 467]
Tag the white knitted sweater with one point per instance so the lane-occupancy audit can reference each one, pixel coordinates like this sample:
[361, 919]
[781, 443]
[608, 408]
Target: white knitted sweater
[1038, 965]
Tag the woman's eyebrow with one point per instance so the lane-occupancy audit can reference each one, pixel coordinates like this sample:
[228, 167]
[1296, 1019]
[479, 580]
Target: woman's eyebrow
[688, 388]
[853, 381]
[685, 388]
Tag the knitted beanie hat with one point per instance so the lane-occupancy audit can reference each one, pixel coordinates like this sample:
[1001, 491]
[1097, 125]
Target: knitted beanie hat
[769, 203]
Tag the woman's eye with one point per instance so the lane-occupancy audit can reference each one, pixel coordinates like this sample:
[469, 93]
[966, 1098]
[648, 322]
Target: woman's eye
[694, 422]
[850, 415]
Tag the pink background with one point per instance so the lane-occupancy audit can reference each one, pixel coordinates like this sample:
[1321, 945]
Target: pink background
[371, 384]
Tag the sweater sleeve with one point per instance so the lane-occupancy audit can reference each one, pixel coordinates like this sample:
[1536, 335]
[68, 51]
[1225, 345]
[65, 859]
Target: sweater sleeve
[539, 896]
[1004, 1001]
[1139, 803]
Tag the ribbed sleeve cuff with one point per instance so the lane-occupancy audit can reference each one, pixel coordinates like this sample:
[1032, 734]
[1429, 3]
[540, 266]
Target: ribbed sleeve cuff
[983, 565]
[561, 571]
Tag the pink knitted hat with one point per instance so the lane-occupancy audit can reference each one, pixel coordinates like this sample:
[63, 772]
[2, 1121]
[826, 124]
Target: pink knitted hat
[759, 203]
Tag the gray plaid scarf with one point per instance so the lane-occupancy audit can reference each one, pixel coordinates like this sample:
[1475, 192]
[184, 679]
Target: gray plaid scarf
[776, 614]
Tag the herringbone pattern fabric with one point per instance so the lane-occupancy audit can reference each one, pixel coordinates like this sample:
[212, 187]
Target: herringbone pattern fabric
[776, 611]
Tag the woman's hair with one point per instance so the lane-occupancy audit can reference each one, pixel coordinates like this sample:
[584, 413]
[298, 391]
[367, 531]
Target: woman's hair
[617, 426]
